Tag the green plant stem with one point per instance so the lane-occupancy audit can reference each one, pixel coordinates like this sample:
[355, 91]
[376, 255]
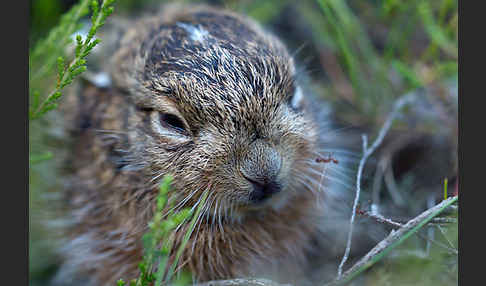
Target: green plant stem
[78, 64]
[187, 235]
[37, 52]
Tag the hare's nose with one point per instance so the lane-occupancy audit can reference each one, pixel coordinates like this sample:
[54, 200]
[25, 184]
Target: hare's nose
[261, 166]
[263, 190]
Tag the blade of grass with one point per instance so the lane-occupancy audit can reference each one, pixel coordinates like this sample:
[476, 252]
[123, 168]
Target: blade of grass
[349, 59]
[445, 189]
[187, 235]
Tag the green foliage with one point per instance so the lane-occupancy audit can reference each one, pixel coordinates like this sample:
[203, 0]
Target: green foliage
[45, 89]
[417, 46]
[50, 52]
[381, 49]
[158, 242]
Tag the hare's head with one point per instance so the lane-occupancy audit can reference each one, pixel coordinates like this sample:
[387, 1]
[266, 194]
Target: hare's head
[219, 108]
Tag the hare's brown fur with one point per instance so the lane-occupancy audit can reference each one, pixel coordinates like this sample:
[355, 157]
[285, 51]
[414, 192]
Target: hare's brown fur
[231, 85]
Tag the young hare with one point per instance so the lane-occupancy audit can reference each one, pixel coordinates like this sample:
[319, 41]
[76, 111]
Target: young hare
[212, 99]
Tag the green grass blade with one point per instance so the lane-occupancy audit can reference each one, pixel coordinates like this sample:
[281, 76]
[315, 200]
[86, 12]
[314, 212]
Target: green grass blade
[187, 235]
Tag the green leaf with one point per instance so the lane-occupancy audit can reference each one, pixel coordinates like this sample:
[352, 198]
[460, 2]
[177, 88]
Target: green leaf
[187, 235]
[60, 67]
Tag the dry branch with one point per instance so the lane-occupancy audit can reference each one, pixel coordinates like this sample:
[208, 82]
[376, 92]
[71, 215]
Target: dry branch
[366, 153]
[242, 282]
[393, 239]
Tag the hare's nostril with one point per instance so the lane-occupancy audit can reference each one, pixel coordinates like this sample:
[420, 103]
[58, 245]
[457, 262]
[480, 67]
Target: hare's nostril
[263, 190]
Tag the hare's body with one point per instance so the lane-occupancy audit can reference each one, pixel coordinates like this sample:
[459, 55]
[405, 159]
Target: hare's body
[209, 97]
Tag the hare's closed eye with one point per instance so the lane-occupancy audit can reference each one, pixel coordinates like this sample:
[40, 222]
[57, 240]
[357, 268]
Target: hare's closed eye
[172, 121]
[167, 124]
[209, 98]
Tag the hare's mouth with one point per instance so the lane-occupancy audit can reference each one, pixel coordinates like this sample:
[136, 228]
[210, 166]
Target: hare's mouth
[270, 199]
[263, 191]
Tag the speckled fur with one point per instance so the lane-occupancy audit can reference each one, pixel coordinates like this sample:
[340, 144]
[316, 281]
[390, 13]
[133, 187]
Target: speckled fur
[231, 83]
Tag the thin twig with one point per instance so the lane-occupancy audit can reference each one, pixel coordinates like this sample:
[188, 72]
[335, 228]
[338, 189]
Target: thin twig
[435, 221]
[380, 218]
[439, 244]
[392, 240]
[445, 236]
[366, 153]
[444, 220]
[242, 282]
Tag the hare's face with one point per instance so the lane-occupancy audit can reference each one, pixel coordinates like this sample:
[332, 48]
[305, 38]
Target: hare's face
[222, 113]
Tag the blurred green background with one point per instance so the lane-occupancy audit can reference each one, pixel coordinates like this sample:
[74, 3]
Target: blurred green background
[359, 55]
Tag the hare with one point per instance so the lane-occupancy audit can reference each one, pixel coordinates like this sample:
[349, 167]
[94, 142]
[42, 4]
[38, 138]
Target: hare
[209, 97]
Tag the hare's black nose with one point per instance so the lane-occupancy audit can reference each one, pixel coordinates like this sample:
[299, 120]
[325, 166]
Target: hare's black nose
[263, 190]
[261, 166]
